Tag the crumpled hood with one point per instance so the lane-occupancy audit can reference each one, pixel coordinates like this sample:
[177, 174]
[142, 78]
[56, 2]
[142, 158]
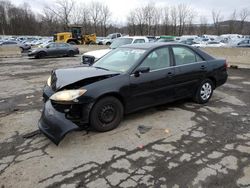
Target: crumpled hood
[64, 77]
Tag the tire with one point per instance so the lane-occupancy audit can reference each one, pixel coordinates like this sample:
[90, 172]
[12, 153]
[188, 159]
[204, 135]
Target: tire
[72, 43]
[106, 114]
[71, 54]
[22, 49]
[204, 91]
[40, 55]
[108, 43]
[92, 43]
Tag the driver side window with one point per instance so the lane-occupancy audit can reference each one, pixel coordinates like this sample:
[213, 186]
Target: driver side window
[158, 59]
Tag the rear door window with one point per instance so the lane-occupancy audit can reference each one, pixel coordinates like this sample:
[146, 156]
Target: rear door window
[184, 56]
[139, 41]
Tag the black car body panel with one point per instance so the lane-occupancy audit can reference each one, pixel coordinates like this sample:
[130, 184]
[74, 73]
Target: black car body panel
[135, 91]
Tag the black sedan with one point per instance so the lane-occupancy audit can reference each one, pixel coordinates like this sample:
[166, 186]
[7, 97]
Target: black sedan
[54, 49]
[127, 79]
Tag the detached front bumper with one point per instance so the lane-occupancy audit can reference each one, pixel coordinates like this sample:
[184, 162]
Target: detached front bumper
[54, 124]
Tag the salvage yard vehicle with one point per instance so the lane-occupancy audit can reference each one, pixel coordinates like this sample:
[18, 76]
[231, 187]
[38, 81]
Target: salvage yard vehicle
[23, 47]
[109, 39]
[92, 56]
[54, 50]
[75, 36]
[166, 38]
[243, 44]
[129, 78]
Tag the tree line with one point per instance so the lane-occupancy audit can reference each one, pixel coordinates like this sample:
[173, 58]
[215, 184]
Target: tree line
[96, 17]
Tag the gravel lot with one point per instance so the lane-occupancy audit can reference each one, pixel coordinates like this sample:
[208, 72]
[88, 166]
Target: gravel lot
[181, 144]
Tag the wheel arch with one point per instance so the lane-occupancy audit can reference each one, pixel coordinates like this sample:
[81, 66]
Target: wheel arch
[73, 40]
[213, 80]
[113, 94]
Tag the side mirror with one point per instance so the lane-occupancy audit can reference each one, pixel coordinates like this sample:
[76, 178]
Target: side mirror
[141, 70]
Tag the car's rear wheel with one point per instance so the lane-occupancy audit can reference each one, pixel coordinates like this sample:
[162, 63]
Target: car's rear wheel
[22, 49]
[40, 55]
[106, 114]
[70, 53]
[108, 43]
[204, 91]
[72, 43]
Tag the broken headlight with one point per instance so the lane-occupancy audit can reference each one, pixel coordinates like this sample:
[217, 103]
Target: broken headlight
[67, 95]
[49, 81]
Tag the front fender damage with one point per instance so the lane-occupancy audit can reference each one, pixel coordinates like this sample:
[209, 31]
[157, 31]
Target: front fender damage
[54, 124]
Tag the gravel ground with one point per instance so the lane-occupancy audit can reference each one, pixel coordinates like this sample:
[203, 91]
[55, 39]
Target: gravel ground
[181, 144]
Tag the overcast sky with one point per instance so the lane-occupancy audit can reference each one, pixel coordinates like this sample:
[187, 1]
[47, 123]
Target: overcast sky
[121, 8]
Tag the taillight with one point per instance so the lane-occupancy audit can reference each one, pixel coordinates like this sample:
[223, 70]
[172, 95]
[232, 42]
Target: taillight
[225, 64]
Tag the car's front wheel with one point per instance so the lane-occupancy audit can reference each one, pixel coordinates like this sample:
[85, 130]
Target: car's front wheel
[106, 114]
[40, 55]
[204, 91]
[71, 53]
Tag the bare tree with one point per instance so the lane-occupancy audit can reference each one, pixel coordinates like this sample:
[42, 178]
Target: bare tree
[139, 17]
[232, 20]
[63, 10]
[131, 22]
[173, 15]
[95, 14]
[190, 19]
[183, 13]
[105, 19]
[203, 25]
[217, 18]
[149, 12]
[166, 19]
[244, 14]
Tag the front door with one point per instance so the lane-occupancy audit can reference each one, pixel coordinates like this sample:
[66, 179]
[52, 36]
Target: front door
[52, 49]
[155, 86]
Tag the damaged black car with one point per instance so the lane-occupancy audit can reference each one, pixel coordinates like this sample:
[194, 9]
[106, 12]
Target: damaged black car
[125, 80]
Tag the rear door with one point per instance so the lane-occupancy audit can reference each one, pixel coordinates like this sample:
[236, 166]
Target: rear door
[190, 69]
[52, 49]
[155, 86]
[63, 48]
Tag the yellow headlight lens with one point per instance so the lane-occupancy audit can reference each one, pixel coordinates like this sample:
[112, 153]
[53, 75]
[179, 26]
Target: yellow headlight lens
[68, 95]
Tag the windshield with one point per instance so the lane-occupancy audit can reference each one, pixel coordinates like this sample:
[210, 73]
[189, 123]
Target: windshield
[119, 60]
[120, 41]
[109, 36]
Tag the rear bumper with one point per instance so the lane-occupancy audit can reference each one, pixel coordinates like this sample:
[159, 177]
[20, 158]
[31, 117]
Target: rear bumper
[54, 124]
[222, 79]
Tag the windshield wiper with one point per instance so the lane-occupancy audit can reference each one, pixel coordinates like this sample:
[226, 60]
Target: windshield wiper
[102, 68]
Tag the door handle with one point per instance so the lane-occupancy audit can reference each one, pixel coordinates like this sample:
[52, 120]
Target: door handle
[203, 67]
[170, 74]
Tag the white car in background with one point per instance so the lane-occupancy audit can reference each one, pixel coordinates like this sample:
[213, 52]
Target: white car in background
[92, 56]
[213, 44]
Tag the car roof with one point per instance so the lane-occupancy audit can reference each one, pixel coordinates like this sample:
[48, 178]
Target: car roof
[133, 37]
[151, 46]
